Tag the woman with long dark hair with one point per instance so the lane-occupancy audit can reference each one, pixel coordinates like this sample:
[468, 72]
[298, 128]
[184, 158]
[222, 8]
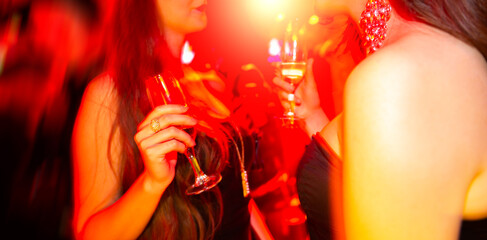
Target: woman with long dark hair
[127, 182]
[410, 143]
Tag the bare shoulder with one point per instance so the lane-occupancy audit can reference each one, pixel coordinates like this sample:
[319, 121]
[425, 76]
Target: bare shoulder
[98, 108]
[426, 70]
[422, 101]
[96, 114]
[95, 119]
[97, 111]
[427, 52]
[429, 78]
[101, 90]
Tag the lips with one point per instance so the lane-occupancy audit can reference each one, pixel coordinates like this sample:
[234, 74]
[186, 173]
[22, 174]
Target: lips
[201, 8]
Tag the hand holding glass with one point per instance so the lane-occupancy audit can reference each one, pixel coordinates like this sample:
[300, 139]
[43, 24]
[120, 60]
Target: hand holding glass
[293, 65]
[167, 90]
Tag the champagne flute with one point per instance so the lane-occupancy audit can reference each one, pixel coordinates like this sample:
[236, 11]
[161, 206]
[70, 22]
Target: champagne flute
[293, 65]
[167, 90]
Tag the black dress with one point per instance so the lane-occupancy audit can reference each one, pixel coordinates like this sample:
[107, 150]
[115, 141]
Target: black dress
[313, 185]
[235, 222]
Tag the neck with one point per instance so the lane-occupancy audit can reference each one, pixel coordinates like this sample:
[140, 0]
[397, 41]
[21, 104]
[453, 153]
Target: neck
[174, 41]
[356, 9]
[398, 27]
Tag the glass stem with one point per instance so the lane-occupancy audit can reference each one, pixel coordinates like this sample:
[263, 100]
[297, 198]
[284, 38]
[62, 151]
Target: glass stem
[292, 107]
[194, 162]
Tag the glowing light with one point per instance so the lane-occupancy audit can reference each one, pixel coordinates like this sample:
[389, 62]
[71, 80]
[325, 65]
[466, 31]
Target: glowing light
[250, 85]
[284, 177]
[264, 5]
[295, 202]
[314, 19]
[268, 3]
[187, 55]
[289, 27]
[294, 220]
[287, 48]
[274, 47]
[248, 67]
[280, 17]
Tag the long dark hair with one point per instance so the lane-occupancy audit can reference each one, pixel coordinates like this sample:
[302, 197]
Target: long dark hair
[135, 39]
[464, 19]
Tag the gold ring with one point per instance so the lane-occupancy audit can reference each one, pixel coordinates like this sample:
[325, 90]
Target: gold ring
[155, 126]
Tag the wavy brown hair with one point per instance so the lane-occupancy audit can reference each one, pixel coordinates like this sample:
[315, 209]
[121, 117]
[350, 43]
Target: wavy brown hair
[133, 56]
[464, 19]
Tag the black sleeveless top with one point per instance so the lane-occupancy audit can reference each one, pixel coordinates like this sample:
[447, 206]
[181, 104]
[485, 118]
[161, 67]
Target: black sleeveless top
[313, 185]
[235, 222]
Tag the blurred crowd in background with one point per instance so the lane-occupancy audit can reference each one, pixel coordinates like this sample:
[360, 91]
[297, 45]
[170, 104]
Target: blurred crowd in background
[48, 52]
[51, 49]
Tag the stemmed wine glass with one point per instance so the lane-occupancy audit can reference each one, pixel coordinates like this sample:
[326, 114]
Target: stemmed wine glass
[167, 90]
[293, 65]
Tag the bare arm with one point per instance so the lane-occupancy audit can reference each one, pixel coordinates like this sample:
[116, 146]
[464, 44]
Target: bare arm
[101, 212]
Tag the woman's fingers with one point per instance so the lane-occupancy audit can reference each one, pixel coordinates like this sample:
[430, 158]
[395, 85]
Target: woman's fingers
[285, 86]
[159, 136]
[169, 126]
[168, 120]
[160, 160]
[162, 110]
[309, 70]
[166, 135]
[286, 97]
[160, 150]
[297, 100]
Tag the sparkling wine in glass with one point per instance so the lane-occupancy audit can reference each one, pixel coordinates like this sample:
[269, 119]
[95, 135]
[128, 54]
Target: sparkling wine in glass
[293, 65]
[167, 90]
[293, 72]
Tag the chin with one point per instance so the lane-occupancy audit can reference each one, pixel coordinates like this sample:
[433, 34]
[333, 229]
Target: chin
[197, 25]
[329, 9]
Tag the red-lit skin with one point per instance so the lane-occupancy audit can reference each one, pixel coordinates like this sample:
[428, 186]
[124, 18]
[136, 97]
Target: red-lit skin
[180, 18]
[97, 191]
[332, 8]
[100, 210]
[308, 106]
[414, 122]
[411, 136]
